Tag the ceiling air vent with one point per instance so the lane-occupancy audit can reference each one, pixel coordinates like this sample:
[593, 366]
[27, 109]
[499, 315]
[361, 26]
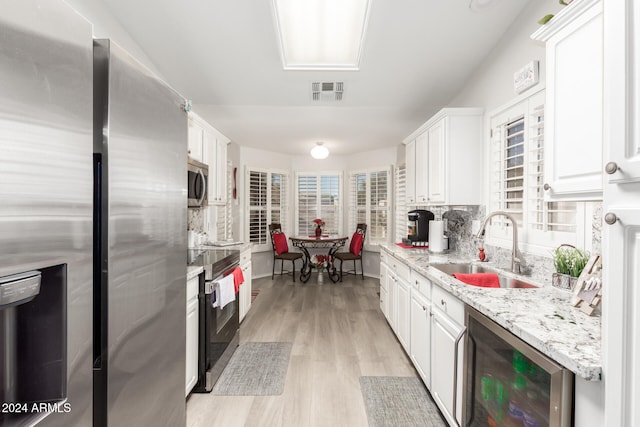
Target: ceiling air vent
[327, 91]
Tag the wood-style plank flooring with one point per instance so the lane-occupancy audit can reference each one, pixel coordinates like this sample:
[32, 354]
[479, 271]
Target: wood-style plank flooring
[338, 334]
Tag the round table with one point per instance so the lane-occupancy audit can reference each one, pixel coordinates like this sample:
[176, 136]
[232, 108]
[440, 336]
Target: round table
[304, 242]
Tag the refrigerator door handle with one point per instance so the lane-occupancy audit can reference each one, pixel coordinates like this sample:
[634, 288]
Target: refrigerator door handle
[462, 333]
[204, 187]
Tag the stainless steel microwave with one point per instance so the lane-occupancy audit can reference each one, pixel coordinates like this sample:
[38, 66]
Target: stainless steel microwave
[197, 181]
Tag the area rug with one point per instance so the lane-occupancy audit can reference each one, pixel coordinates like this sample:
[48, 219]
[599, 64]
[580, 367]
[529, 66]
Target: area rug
[254, 294]
[255, 369]
[398, 401]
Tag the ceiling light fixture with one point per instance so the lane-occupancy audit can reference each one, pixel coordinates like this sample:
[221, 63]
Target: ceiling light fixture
[321, 34]
[319, 151]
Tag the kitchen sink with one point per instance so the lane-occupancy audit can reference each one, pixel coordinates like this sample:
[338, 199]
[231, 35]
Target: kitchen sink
[468, 268]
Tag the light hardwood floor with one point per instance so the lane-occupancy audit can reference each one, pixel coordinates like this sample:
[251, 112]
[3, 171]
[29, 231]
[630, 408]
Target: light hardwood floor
[338, 334]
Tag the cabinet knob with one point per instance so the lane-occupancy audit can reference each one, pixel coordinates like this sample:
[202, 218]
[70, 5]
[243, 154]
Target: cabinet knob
[611, 168]
[610, 218]
[424, 308]
[546, 187]
[442, 302]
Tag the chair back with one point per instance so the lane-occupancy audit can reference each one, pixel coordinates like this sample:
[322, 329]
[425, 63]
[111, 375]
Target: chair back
[274, 228]
[361, 228]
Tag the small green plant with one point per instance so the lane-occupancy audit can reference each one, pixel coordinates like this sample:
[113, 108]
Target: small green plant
[569, 260]
[548, 17]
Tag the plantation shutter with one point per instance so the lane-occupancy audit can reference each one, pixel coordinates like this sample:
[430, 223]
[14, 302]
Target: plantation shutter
[318, 196]
[379, 206]
[400, 196]
[267, 192]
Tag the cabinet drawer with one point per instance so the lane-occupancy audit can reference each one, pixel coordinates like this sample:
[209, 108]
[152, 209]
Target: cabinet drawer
[384, 257]
[400, 268]
[245, 256]
[421, 284]
[449, 304]
[192, 288]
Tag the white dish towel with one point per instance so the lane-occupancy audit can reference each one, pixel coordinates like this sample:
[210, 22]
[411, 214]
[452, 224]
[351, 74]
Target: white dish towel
[225, 291]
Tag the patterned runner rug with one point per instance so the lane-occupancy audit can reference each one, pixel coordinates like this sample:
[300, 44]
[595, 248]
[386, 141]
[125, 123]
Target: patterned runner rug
[255, 369]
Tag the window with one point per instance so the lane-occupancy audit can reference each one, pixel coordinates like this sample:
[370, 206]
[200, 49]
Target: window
[400, 195]
[267, 200]
[369, 193]
[223, 213]
[517, 179]
[318, 196]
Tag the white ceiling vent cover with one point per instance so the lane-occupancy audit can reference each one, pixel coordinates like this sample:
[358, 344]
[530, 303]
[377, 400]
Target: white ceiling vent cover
[327, 91]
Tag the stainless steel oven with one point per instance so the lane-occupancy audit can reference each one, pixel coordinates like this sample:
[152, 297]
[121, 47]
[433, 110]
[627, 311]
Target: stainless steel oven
[197, 181]
[218, 334]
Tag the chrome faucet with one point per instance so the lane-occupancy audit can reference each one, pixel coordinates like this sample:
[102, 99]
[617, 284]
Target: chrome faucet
[516, 256]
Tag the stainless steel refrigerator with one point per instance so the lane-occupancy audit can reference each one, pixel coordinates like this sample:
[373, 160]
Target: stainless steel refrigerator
[140, 227]
[46, 61]
[92, 228]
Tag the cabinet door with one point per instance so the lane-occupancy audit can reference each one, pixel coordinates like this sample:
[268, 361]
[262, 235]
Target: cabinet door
[410, 156]
[221, 171]
[436, 169]
[210, 159]
[445, 365]
[245, 290]
[191, 367]
[403, 301]
[573, 122]
[195, 141]
[384, 294]
[422, 165]
[420, 332]
[392, 289]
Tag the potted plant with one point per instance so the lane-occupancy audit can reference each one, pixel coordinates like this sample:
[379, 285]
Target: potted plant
[569, 262]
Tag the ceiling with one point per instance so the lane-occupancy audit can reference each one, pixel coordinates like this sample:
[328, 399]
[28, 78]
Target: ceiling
[223, 55]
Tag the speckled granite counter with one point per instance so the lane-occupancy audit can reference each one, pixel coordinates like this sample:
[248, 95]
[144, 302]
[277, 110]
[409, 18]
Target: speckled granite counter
[543, 317]
[193, 271]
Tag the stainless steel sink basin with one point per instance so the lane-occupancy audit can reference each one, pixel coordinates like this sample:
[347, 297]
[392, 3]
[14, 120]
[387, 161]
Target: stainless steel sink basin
[467, 268]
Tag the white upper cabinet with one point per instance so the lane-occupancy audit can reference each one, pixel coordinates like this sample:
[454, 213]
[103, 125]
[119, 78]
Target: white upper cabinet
[573, 117]
[410, 172]
[209, 146]
[446, 153]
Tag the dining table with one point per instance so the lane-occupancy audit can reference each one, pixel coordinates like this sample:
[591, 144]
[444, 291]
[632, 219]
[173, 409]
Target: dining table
[304, 243]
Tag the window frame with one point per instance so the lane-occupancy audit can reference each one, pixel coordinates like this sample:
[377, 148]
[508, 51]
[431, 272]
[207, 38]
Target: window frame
[268, 207]
[296, 195]
[354, 207]
[499, 233]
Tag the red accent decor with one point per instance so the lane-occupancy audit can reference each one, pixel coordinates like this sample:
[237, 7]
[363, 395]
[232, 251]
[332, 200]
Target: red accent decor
[402, 245]
[280, 241]
[484, 280]
[356, 244]
[238, 278]
[318, 231]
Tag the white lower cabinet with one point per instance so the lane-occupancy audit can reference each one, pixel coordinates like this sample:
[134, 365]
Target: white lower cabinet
[420, 319]
[245, 288]
[403, 301]
[448, 354]
[384, 293]
[191, 366]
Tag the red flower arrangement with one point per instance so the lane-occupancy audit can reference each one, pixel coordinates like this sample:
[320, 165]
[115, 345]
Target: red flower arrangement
[318, 222]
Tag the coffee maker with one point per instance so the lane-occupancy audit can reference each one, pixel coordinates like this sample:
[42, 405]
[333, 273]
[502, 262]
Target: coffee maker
[418, 227]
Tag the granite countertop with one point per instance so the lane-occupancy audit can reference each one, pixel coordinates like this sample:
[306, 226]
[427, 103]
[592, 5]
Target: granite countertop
[542, 317]
[193, 271]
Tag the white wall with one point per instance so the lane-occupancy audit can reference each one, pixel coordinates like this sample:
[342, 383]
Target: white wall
[492, 83]
[106, 26]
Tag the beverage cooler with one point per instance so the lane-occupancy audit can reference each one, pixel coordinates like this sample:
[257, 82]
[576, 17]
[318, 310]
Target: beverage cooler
[508, 383]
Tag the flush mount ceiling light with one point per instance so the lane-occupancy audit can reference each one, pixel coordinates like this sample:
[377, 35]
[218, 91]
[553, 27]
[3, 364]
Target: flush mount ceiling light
[319, 151]
[321, 34]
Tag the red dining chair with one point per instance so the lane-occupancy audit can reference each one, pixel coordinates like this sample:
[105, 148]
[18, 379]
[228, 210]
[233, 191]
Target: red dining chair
[355, 250]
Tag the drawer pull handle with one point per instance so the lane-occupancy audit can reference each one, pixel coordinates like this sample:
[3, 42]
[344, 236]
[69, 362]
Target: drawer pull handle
[546, 187]
[443, 302]
[424, 308]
